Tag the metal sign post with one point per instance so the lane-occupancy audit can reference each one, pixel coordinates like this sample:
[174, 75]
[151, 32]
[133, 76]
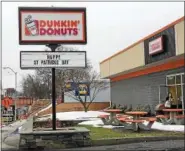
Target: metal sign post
[53, 48]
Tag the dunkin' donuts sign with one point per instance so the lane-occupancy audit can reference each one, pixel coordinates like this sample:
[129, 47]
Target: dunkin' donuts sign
[52, 25]
[156, 46]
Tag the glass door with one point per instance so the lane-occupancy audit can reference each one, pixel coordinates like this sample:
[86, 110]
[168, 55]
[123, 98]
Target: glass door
[175, 86]
[171, 80]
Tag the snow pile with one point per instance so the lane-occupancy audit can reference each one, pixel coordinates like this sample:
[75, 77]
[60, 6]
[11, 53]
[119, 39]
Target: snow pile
[90, 118]
[155, 126]
[160, 126]
[95, 123]
[112, 127]
[43, 118]
[77, 115]
[17, 123]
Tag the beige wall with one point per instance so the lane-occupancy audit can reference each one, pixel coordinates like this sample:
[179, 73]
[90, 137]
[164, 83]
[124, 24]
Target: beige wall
[131, 58]
[104, 68]
[179, 31]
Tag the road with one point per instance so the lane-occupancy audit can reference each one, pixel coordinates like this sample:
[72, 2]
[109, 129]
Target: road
[177, 145]
[158, 145]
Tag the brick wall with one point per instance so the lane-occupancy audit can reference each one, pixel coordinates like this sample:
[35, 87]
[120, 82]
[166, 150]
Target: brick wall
[27, 101]
[66, 107]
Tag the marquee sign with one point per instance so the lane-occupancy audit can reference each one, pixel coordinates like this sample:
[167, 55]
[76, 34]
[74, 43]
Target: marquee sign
[156, 46]
[52, 25]
[59, 59]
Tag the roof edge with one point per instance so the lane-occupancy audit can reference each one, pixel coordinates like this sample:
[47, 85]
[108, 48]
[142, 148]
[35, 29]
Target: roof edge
[173, 64]
[173, 58]
[150, 35]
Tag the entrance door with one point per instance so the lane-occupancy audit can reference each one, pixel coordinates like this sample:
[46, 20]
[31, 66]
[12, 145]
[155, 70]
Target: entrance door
[172, 90]
[175, 86]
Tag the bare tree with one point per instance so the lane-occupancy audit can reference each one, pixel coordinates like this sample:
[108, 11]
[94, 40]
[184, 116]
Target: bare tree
[92, 79]
[45, 80]
[33, 86]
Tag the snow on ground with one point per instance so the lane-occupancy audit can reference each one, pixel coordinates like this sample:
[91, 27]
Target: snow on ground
[76, 115]
[112, 127]
[160, 126]
[95, 123]
[17, 123]
[155, 126]
[90, 118]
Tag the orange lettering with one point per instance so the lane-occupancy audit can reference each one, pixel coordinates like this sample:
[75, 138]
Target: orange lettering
[74, 23]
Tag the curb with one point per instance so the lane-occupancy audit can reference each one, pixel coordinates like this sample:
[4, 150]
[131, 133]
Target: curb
[104, 142]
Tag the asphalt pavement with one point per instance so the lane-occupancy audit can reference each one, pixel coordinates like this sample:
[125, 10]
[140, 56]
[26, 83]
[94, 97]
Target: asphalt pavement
[176, 145]
[157, 145]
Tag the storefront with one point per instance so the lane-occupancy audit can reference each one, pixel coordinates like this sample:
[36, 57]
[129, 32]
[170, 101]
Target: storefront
[146, 71]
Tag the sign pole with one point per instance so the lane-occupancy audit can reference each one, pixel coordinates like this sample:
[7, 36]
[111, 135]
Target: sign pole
[53, 48]
[53, 100]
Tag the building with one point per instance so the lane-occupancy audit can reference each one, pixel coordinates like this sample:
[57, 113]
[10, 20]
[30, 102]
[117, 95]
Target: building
[146, 71]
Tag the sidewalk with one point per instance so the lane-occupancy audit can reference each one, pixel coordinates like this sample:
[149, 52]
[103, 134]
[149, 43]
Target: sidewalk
[10, 142]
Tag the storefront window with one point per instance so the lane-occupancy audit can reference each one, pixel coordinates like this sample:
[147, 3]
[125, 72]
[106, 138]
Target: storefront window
[178, 79]
[171, 80]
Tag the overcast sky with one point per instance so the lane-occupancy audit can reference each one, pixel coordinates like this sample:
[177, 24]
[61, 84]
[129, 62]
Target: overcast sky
[111, 26]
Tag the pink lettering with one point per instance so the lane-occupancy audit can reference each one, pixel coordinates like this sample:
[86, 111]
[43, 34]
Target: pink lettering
[42, 31]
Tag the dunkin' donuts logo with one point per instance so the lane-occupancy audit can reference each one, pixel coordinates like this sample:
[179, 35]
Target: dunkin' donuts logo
[51, 27]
